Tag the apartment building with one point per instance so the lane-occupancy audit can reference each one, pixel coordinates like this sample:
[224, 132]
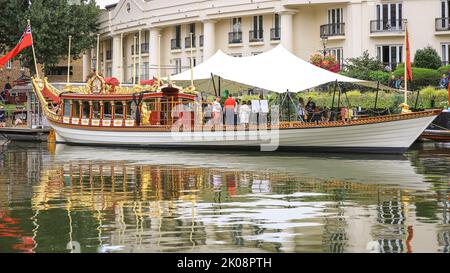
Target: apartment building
[136, 36]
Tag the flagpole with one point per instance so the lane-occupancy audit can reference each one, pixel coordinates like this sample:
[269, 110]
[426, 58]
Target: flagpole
[68, 61]
[192, 61]
[34, 52]
[406, 66]
[98, 55]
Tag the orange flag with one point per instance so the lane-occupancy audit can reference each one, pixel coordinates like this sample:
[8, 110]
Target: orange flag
[408, 58]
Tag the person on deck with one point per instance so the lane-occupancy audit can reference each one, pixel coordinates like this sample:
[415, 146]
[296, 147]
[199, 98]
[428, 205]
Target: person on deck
[301, 109]
[230, 109]
[244, 113]
[2, 117]
[216, 112]
[310, 108]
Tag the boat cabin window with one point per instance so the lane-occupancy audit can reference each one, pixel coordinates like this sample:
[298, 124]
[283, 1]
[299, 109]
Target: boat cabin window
[96, 110]
[86, 110]
[129, 105]
[107, 110]
[67, 108]
[118, 114]
[75, 109]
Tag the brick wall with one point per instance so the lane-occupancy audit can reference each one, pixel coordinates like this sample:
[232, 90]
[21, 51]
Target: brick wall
[14, 73]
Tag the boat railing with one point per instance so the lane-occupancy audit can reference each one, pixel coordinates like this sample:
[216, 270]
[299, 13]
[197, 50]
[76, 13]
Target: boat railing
[172, 114]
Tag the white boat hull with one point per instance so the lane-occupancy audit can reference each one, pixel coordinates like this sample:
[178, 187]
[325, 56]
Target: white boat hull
[384, 137]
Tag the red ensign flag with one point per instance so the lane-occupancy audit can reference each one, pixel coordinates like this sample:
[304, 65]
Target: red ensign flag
[25, 41]
[408, 58]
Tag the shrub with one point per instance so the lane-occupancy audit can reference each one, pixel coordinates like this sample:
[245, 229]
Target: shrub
[328, 62]
[361, 67]
[427, 58]
[422, 77]
[381, 76]
[444, 69]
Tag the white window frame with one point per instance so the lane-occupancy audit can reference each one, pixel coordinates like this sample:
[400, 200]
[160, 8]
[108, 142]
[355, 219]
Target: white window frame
[399, 54]
[445, 53]
[177, 65]
[337, 52]
[379, 15]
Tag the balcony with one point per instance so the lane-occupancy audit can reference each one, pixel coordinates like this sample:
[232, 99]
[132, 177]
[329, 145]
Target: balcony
[187, 42]
[175, 44]
[201, 40]
[144, 48]
[256, 36]
[109, 55]
[235, 37]
[330, 30]
[387, 26]
[133, 51]
[275, 34]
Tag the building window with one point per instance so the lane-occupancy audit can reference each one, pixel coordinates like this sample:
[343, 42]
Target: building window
[256, 34]
[390, 55]
[235, 36]
[177, 63]
[389, 17]
[176, 43]
[236, 24]
[335, 22]
[194, 62]
[237, 55]
[191, 29]
[256, 53]
[338, 54]
[22, 65]
[9, 64]
[275, 31]
[145, 74]
[445, 53]
[442, 24]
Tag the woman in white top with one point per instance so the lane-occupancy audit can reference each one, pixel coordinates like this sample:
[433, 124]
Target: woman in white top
[244, 113]
[216, 111]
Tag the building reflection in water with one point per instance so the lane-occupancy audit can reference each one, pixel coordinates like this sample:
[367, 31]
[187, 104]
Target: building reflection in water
[120, 205]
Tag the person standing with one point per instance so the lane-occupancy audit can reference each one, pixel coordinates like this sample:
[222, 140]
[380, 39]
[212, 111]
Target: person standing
[230, 109]
[301, 109]
[216, 112]
[310, 108]
[244, 113]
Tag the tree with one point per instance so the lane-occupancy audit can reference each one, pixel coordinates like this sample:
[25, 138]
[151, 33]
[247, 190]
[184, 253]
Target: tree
[52, 21]
[427, 58]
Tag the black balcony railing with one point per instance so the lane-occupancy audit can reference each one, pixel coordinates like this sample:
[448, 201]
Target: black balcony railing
[275, 34]
[109, 55]
[387, 26]
[187, 42]
[328, 30]
[134, 50]
[256, 35]
[144, 48]
[442, 24]
[175, 44]
[201, 40]
[235, 37]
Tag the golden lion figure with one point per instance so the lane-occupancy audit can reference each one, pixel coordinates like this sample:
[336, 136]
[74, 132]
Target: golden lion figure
[405, 108]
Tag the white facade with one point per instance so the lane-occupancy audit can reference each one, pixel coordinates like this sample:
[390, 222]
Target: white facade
[243, 28]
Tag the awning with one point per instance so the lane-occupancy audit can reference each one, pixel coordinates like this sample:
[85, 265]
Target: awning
[277, 70]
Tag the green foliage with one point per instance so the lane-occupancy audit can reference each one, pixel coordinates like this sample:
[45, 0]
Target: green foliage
[361, 67]
[422, 77]
[444, 69]
[51, 22]
[427, 58]
[381, 76]
[386, 100]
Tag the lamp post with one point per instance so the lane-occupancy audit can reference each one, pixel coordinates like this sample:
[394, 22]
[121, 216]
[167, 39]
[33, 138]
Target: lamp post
[324, 43]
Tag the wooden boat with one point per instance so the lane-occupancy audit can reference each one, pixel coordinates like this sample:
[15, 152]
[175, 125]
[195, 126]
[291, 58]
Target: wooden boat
[102, 114]
[437, 135]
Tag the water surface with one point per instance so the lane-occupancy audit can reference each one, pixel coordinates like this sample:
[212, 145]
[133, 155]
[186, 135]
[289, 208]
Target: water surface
[66, 198]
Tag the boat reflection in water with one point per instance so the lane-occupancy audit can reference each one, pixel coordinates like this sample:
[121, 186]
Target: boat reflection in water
[114, 200]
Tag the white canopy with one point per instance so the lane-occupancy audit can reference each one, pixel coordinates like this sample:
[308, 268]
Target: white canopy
[276, 70]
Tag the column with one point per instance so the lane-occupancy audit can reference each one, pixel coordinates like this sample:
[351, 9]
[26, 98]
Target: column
[354, 28]
[153, 52]
[104, 49]
[209, 39]
[287, 32]
[86, 64]
[116, 55]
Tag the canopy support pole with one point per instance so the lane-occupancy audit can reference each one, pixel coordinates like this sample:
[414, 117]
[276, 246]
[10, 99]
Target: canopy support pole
[334, 94]
[339, 96]
[219, 87]
[376, 96]
[417, 100]
[289, 105]
[214, 84]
